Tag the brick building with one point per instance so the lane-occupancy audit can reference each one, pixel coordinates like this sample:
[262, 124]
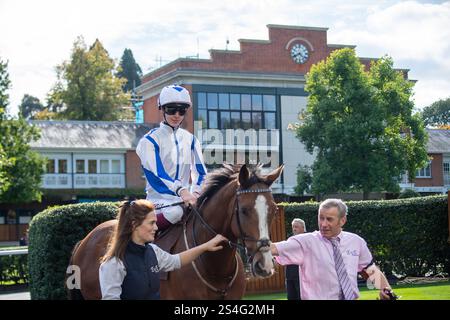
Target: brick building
[435, 177]
[260, 86]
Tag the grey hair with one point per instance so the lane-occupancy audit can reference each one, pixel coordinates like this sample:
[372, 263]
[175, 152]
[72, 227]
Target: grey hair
[335, 203]
[298, 220]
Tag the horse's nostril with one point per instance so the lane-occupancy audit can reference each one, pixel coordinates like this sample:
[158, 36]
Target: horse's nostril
[258, 269]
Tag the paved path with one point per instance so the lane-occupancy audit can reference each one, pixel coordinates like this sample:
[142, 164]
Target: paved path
[15, 296]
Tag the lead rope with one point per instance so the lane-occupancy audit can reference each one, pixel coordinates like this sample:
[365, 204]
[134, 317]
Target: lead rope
[223, 293]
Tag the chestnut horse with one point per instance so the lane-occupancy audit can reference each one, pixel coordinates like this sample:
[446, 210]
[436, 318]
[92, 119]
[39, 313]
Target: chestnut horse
[236, 203]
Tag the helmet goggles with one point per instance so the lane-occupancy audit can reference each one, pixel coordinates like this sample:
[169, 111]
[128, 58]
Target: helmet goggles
[172, 109]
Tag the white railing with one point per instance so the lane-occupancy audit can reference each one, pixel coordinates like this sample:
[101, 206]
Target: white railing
[57, 181]
[83, 181]
[13, 252]
[99, 181]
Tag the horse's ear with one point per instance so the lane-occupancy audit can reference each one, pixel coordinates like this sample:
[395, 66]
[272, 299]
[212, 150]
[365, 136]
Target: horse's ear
[271, 177]
[243, 175]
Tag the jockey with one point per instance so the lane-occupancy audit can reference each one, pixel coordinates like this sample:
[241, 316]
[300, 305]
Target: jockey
[170, 157]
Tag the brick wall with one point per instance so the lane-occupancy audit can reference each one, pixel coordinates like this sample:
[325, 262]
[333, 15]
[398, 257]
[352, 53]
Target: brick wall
[134, 172]
[437, 175]
[271, 55]
[265, 56]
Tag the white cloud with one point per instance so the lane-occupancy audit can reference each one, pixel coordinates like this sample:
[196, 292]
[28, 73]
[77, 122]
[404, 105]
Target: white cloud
[38, 35]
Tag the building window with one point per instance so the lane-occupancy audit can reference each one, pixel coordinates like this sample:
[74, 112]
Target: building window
[115, 166]
[236, 111]
[92, 166]
[79, 166]
[446, 169]
[62, 166]
[50, 166]
[424, 172]
[56, 166]
[104, 166]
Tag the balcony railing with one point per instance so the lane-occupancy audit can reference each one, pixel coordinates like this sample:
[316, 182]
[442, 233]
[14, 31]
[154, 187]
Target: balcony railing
[83, 181]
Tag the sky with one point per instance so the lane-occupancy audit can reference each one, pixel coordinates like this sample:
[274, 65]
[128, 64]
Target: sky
[36, 36]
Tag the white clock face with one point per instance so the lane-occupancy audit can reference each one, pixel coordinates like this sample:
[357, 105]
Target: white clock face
[299, 53]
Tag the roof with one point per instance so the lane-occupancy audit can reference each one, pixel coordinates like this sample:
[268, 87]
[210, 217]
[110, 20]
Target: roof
[89, 134]
[438, 141]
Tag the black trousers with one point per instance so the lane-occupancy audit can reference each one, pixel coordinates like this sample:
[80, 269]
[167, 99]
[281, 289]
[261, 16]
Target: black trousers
[293, 289]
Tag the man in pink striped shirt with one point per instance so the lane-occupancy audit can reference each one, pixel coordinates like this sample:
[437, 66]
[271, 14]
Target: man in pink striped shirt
[313, 252]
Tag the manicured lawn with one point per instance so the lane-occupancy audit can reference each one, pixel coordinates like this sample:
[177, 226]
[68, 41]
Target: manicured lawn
[434, 291]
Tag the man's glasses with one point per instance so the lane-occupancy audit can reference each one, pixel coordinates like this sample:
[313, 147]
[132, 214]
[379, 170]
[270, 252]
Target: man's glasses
[172, 110]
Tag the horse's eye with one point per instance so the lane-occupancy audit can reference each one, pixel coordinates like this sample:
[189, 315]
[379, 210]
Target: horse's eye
[244, 211]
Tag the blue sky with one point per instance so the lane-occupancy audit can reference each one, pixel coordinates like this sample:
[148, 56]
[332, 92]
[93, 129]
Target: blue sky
[35, 36]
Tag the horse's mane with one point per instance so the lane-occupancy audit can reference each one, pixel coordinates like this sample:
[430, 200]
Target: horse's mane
[220, 177]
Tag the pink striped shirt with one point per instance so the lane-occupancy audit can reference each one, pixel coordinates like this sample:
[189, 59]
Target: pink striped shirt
[314, 254]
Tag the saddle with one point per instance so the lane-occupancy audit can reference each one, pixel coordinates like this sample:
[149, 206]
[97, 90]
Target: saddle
[167, 239]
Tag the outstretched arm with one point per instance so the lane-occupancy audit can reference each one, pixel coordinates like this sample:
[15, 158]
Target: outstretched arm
[273, 249]
[374, 274]
[212, 245]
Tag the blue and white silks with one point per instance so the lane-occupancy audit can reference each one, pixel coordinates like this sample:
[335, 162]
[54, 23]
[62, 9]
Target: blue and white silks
[170, 160]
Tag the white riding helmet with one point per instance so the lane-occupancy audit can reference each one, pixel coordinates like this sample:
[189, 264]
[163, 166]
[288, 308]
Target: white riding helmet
[174, 94]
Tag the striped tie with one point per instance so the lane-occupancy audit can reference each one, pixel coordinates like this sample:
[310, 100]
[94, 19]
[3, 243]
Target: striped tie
[344, 281]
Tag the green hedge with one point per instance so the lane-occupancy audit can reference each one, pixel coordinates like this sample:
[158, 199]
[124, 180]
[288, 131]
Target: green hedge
[13, 268]
[53, 234]
[407, 237]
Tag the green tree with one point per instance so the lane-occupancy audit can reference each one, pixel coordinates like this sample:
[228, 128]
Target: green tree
[30, 106]
[4, 97]
[87, 86]
[5, 83]
[22, 168]
[437, 114]
[26, 167]
[360, 125]
[304, 180]
[129, 70]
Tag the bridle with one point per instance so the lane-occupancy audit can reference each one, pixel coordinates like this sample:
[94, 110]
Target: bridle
[261, 243]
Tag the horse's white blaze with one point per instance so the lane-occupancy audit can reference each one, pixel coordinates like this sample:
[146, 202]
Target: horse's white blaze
[262, 208]
[268, 264]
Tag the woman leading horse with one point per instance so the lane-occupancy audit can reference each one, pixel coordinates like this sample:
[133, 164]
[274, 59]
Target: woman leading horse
[237, 204]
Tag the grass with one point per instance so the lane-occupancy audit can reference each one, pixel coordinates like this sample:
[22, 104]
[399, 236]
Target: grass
[432, 291]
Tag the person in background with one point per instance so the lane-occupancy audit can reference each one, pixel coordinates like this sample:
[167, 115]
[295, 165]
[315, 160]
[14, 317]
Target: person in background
[23, 241]
[292, 272]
